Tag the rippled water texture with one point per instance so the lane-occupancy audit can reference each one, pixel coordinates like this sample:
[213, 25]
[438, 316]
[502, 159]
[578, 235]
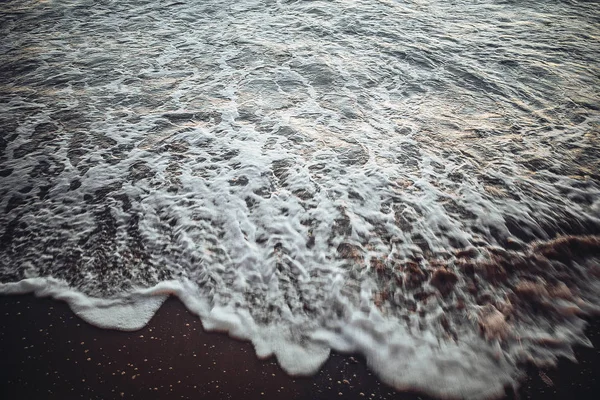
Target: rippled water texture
[417, 181]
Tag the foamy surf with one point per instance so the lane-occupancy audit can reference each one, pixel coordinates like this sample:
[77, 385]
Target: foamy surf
[480, 362]
[415, 182]
[400, 359]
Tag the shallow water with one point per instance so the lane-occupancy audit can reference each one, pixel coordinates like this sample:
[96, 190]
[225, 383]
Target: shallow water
[416, 181]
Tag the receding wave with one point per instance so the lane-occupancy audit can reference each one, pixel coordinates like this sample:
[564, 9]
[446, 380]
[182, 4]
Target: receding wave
[413, 181]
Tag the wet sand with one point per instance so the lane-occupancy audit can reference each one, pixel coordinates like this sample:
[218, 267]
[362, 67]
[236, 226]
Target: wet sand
[46, 352]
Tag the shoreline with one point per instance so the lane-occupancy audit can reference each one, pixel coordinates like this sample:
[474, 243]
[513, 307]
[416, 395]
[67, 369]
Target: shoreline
[47, 352]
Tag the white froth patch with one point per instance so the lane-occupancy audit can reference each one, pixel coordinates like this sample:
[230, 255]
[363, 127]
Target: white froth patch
[296, 358]
[128, 313]
[470, 368]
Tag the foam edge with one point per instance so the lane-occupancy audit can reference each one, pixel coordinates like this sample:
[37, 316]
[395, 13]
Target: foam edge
[134, 310]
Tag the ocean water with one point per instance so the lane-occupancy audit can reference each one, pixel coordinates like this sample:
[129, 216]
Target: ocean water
[416, 181]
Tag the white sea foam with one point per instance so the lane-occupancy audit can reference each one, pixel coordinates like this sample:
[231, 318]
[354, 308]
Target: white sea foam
[414, 181]
[128, 313]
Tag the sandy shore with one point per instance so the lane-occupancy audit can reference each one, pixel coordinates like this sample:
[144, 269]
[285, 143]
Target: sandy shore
[46, 352]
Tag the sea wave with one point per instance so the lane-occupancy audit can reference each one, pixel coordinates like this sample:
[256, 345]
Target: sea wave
[413, 181]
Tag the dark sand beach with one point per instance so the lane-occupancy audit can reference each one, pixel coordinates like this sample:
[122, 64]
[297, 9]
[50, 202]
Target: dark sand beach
[46, 352]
